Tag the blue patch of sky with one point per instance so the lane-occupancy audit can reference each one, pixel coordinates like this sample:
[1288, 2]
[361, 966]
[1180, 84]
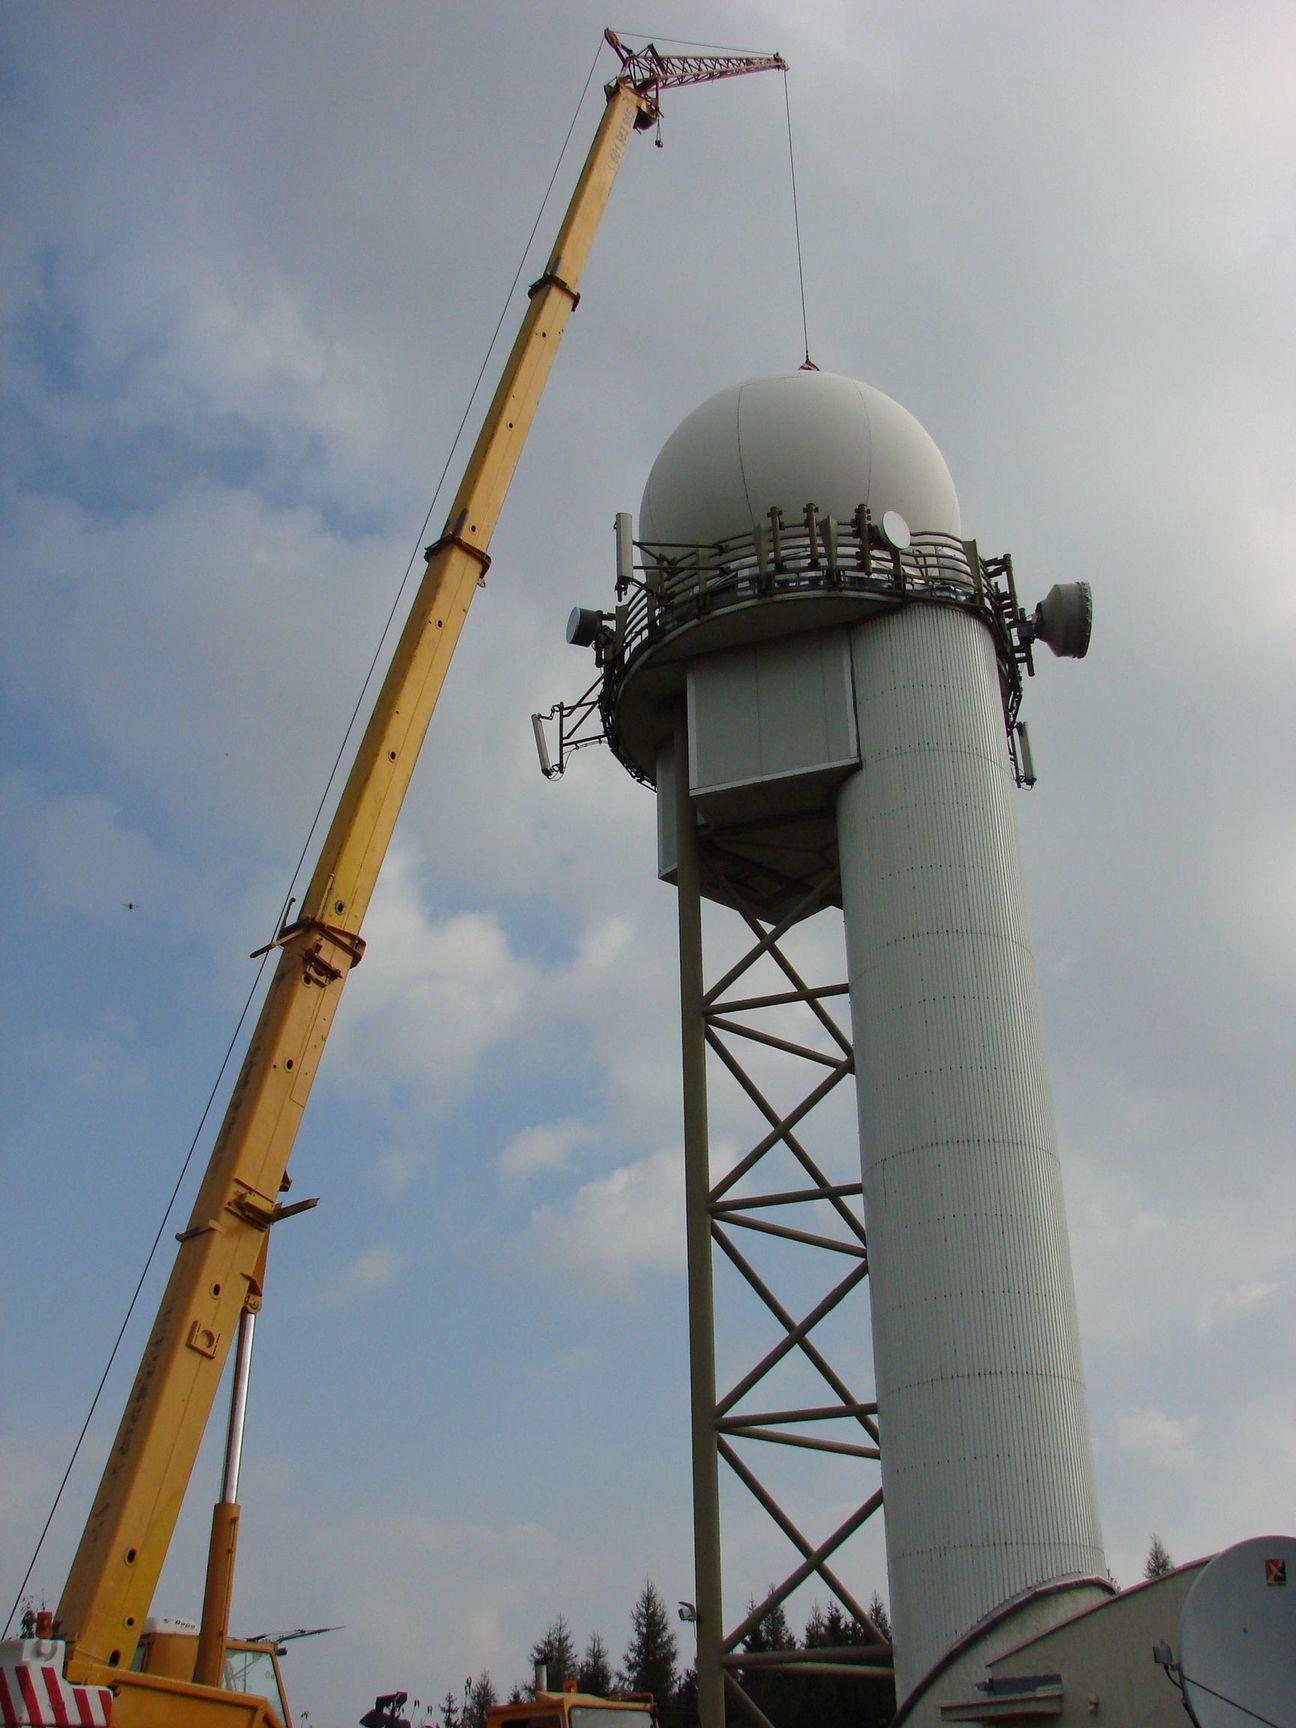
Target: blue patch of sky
[49, 745]
[114, 473]
[13, 86]
[539, 923]
[505, 1098]
[48, 333]
[112, 1090]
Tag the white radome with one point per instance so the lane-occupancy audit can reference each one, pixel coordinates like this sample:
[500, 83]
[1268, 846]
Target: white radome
[792, 439]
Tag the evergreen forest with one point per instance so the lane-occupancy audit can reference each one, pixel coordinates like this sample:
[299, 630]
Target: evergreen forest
[652, 1662]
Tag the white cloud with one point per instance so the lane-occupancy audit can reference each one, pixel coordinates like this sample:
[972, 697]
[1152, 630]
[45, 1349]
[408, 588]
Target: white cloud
[620, 1226]
[1153, 1437]
[157, 639]
[397, 1166]
[374, 1269]
[1238, 1299]
[444, 1595]
[433, 998]
[96, 1065]
[548, 1146]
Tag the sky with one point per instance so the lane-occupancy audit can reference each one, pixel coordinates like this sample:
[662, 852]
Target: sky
[252, 259]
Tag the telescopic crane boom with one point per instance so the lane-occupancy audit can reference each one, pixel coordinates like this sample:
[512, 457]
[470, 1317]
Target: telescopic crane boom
[217, 1271]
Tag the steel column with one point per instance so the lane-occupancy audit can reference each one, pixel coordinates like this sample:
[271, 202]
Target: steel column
[222, 1550]
[714, 1021]
[697, 1194]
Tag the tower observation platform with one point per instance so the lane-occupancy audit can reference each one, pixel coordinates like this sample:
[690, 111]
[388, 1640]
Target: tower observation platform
[765, 598]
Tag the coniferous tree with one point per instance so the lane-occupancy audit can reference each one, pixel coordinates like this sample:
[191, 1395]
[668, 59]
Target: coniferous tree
[773, 1633]
[774, 1692]
[1158, 1561]
[650, 1658]
[823, 1701]
[685, 1703]
[837, 1628]
[820, 1700]
[557, 1651]
[595, 1672]
[877, 1613]
[480, 1696]
[449, 1711]
[816, 1630]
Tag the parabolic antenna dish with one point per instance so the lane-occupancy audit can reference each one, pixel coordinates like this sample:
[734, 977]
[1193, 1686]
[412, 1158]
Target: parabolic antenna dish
[895, 531]
[1237, 1637]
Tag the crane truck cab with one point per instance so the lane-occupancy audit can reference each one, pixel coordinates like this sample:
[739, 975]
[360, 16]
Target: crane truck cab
[156, 1691]
[572, 1709]
[169, 1647]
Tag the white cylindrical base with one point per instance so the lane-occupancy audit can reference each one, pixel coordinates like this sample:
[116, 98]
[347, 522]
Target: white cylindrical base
[987, 1467]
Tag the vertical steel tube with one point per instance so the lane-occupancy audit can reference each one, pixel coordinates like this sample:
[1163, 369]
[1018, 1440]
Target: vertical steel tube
[238, 1406]
[697, 1227]
[209, 1660]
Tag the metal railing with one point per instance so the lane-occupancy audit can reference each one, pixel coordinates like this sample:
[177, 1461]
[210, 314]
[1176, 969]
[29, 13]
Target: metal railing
[672, 586]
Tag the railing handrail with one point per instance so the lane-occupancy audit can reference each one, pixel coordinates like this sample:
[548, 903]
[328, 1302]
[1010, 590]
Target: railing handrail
[677, 584]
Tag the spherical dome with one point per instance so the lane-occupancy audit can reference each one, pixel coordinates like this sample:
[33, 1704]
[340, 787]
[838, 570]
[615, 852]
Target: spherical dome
[792, 439]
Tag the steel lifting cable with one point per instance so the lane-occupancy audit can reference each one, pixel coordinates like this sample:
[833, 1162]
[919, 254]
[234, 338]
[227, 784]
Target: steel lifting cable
[728, 48]
[319, 810]
[683, 42]
[796, 223]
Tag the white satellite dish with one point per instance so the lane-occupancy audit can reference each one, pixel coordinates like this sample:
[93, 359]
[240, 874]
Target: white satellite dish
[1237, 1637]
[895, 531]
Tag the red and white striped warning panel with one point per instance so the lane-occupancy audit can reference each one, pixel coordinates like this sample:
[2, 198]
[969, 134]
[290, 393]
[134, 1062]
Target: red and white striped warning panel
[34, 1694]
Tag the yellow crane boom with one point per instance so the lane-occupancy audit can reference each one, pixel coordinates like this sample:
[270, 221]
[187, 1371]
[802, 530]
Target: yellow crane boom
[217, 1268]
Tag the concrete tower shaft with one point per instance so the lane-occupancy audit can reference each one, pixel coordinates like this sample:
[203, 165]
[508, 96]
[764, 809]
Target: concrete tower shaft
[987, 1469]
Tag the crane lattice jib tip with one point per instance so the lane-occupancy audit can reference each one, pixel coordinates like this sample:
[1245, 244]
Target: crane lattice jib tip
[647, 72]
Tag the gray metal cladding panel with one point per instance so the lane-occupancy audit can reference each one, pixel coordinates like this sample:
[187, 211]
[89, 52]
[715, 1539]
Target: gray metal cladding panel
[667, 842]
[987, 1465]
[724, 719]
[771, 711]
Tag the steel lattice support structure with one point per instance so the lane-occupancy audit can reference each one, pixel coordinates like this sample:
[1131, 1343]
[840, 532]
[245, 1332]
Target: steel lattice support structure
[723, 1019]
